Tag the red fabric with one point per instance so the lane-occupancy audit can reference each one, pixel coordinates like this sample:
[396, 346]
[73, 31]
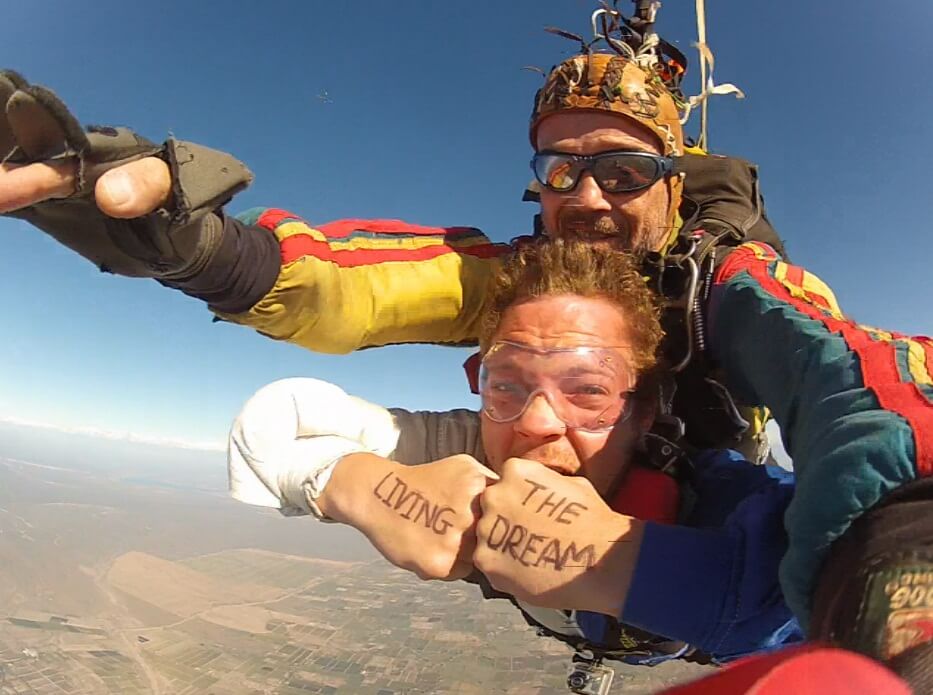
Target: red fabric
[300, 245]
[819, 300]
[273, 217]
[741, 259]
[795, 275]
[343, 228]
[648, 495]
[807, 670]
[471, 367]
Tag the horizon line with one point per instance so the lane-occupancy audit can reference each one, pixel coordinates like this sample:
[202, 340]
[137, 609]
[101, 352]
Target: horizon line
[116, 435]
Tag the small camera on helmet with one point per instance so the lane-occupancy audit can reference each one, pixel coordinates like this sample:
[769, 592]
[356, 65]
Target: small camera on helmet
[589, 678]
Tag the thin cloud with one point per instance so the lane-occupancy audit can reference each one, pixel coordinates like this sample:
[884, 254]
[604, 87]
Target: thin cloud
[115, 435]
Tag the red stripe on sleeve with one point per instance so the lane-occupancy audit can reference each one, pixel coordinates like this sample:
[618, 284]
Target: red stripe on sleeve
[819, 300]
[741, 259]
[272, 218]
[794, 275]
[339, 229]
[299, 245]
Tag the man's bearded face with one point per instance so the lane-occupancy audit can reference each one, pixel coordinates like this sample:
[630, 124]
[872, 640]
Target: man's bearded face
[629, 221]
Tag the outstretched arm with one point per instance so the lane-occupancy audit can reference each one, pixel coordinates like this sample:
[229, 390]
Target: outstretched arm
[136, 208]
[855, 404]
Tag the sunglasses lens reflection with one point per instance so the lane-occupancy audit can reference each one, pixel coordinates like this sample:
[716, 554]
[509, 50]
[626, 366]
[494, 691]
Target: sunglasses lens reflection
[620, 173]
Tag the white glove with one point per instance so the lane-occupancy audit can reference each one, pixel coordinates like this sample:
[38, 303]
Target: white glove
[289, 436]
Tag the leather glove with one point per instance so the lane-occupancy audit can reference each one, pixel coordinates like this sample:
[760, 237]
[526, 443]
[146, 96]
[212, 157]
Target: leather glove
[171, 243]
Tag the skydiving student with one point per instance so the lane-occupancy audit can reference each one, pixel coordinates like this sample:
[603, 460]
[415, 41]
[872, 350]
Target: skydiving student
[545, 497]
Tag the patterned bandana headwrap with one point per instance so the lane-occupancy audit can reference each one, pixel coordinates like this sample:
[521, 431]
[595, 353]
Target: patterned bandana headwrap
[611, 82]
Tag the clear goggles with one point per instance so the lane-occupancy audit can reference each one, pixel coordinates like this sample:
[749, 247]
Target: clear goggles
[588, 388]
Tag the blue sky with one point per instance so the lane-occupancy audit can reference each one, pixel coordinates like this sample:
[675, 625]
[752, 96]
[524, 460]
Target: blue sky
[427, 121]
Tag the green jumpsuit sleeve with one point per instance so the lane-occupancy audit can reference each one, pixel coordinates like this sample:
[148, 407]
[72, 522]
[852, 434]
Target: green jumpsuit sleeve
[855, 404]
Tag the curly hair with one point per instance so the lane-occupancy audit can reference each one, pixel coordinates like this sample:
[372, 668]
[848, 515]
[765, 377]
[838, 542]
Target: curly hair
[547, 266]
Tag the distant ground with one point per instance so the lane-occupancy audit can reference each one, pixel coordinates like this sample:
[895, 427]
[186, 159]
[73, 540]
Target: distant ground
[123, 573]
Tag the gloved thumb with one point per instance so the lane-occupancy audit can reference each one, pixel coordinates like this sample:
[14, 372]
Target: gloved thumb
[134, 189]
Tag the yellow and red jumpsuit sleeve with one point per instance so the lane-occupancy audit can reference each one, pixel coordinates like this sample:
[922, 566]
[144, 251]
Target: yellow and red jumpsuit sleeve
[351, 284]
[855, 404]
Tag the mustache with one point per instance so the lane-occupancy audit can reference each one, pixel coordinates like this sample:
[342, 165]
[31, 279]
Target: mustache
[572, 222]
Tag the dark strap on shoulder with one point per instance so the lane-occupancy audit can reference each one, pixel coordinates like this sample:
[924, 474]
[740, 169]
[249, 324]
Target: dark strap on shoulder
[724, 193]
